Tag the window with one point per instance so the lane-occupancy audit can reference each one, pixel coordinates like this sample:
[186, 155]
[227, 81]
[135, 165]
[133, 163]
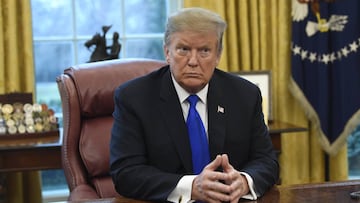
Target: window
[61, 28]
[354, 154]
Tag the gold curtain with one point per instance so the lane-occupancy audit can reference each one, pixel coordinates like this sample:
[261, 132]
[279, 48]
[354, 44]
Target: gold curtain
[258, 37]
[17, 75]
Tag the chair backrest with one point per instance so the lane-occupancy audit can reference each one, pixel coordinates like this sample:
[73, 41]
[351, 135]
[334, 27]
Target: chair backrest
[86, 92]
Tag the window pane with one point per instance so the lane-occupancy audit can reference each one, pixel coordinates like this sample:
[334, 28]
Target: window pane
[354, 154]
[91, 15]
[145, 16]
[51, 58]
[145, 48]
[53, 180]
[51, 18]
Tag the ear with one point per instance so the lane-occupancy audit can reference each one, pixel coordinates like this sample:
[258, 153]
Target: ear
[217, 61]
[167, 54]
[218, 57]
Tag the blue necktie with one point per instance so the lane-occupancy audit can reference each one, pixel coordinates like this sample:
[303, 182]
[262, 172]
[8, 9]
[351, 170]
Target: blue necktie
[198, 139]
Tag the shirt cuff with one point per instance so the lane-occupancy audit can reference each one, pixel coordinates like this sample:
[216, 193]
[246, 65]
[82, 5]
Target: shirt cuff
[182, 191]
[252, 195]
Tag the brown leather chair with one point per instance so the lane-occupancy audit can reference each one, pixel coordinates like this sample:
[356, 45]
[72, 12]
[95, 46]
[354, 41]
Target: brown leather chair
[86, 92]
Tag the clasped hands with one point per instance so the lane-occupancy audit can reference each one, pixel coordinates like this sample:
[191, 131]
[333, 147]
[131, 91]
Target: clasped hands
[215, 186]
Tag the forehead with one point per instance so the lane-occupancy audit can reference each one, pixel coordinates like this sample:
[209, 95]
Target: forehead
[194, 38]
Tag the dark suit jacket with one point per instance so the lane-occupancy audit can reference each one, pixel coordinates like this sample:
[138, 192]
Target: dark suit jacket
[150, 150]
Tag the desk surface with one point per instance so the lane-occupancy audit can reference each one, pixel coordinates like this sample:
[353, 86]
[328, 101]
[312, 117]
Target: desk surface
[33, 156]
[284, 127]
[305, 193]
[312, 193]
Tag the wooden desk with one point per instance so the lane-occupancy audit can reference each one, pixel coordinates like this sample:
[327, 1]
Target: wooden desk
[276, 128]
[306, 193]
[48, 156]
[312, 193]
[31, 157]
[23, 151]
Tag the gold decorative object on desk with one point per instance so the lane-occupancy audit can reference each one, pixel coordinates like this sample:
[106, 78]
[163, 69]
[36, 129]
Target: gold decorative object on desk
[24, 123]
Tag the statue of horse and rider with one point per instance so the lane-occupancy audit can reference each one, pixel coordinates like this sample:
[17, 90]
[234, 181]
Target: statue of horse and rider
[101, 52]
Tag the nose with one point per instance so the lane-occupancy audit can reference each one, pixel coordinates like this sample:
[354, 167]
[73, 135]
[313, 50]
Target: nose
[193, 60]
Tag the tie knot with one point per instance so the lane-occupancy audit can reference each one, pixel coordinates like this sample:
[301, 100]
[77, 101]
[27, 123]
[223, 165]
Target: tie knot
[193, 99]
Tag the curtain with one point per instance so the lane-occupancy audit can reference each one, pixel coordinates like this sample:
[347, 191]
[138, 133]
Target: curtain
[258, 37]
[17, 75]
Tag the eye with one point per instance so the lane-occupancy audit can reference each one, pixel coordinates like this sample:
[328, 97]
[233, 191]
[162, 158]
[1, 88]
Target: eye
[182, 50]
[205, 52]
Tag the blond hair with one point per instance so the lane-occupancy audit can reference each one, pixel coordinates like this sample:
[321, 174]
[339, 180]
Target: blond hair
[196, 20]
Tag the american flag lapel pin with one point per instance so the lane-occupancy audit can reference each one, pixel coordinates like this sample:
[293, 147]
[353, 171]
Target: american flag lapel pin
[220, 109]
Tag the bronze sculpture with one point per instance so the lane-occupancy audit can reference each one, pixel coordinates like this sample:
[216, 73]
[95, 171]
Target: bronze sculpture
[100, 53]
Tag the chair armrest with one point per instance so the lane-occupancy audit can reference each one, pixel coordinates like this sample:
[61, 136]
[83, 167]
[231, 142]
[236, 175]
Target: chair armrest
[82, 192]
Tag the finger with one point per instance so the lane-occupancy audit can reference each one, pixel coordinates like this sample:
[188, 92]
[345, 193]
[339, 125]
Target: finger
[219, 197]
[225, 163]
[216, 195]
[235, 196]
[236, 200]
[210, 191]
[214, 164]
[217, 186]
[239, 187]
[236, 192]
[227, 168]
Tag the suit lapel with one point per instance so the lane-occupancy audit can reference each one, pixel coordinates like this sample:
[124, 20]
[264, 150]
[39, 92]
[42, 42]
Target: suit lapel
[172, 114]
[217, 118]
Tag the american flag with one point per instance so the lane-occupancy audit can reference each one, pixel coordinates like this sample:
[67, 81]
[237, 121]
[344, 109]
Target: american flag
[326, 66]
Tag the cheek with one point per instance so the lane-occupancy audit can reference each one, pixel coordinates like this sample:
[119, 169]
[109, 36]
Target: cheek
[208, 73]
[177, 61]
[208, 67]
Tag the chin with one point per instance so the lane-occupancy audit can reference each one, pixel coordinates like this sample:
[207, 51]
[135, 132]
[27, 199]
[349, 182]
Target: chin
[194, 88]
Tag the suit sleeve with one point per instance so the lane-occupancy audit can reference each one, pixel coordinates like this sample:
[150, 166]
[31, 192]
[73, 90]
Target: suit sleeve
[263, 165]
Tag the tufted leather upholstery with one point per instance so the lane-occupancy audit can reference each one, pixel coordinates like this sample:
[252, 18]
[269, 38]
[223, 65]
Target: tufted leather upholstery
[86, 92]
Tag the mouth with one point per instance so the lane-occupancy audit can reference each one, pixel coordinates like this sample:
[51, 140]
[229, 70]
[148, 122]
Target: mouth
[192, 75]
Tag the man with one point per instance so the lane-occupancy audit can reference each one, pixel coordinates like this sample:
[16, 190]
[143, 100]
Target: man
[151, 151]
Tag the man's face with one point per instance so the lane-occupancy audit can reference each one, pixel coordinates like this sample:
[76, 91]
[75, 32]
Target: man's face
[192, 57]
